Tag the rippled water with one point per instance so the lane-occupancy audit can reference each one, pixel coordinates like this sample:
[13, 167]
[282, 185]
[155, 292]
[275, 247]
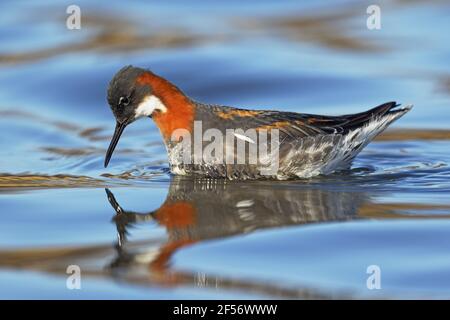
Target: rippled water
[137, 232]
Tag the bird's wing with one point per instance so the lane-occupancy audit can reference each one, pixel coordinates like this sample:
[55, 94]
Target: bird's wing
[345, 123]
[294, 125]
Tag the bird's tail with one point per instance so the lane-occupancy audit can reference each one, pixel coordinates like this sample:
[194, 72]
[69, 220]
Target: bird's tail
[383, 114]
[395, 111]
[370, 124]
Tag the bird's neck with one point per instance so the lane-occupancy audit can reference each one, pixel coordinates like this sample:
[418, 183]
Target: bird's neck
[180, 109]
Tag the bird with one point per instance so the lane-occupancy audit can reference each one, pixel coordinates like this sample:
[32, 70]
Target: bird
[301, 145]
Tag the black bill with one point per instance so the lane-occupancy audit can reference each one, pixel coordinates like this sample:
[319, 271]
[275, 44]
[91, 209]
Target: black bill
[117, 133]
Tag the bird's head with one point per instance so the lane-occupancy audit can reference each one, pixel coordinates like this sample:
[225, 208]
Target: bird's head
[134, 93]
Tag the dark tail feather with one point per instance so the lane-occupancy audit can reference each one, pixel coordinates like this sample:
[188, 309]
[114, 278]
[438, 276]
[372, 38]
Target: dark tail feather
[382, 116]
[389, 108]
[346, 123]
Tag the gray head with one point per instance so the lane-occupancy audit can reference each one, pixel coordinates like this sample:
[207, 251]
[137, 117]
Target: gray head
[125, 94]
[130, 99]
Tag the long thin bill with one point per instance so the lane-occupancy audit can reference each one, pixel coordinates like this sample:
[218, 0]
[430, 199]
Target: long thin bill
[117, 133]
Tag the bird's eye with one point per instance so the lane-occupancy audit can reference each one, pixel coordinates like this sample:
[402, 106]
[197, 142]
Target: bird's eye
[124, 101]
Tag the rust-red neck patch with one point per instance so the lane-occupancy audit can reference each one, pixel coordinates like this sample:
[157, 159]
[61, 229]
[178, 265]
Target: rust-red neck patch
[180, 110]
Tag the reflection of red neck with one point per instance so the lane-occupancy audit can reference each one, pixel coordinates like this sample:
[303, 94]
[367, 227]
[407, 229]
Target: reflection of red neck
[180, 110]
[162, 261]
[178, 217]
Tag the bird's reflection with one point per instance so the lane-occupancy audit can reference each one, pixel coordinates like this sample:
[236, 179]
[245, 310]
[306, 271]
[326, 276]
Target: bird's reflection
[201, 209]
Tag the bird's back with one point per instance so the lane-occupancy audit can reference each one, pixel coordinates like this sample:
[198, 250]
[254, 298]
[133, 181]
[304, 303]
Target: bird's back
[308, 145]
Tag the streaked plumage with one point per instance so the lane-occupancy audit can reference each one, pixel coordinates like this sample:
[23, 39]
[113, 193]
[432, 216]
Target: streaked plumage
[309, 144]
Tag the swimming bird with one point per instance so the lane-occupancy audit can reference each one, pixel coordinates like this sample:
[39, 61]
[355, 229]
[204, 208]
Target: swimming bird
[226, 142]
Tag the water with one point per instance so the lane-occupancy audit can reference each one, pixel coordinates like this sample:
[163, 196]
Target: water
[151, 235]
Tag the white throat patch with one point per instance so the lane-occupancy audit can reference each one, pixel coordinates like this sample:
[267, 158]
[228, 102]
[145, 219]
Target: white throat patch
[148, 105]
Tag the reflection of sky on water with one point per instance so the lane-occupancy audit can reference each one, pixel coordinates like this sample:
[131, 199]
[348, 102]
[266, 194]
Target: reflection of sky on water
[306, 57]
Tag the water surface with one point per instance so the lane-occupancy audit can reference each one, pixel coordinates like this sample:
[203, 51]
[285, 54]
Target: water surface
[138, 232]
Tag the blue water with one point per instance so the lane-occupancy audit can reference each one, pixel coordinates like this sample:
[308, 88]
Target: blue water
[190, 238]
